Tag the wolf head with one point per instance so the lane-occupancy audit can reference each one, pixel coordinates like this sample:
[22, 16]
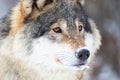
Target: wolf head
[59, 36]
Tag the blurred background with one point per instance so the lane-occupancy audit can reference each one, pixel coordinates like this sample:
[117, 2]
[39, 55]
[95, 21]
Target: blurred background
[106, 14]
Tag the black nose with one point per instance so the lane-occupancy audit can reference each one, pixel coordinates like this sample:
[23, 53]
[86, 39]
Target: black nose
[83, 54]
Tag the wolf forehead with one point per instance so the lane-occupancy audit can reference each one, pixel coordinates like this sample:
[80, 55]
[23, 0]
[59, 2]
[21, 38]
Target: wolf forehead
[68, 12]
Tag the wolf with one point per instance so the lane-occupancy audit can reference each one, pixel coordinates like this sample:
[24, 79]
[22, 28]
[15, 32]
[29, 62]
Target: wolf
[47, 40]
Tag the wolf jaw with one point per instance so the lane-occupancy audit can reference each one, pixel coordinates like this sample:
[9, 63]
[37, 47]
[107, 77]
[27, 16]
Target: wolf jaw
[36, 52]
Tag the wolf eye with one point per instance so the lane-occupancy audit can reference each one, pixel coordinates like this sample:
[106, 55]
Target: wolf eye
[57, 30]
[80, 27]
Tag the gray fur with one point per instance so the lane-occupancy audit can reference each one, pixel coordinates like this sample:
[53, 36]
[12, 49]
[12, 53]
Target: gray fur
[62, 10]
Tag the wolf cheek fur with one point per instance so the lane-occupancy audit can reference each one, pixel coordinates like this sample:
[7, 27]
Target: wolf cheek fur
[35, 49]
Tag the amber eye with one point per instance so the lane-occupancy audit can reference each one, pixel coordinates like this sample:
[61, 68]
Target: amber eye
[80, 27]
[57, 30]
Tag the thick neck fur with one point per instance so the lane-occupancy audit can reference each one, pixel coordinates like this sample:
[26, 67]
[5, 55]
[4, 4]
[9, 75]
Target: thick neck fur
[16, 69]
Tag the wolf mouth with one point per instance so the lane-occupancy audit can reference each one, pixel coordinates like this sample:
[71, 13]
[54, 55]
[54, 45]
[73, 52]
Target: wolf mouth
[77, 65]
[81, 64]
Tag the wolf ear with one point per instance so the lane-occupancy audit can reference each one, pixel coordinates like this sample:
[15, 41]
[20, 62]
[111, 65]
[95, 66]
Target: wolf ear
[27, 6]
[26, 10]
[81, 1]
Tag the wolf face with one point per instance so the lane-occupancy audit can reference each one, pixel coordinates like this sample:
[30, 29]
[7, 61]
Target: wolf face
[47, 40]
[61, 38]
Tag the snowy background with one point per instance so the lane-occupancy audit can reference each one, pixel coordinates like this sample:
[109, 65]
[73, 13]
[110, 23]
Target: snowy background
[106, 14]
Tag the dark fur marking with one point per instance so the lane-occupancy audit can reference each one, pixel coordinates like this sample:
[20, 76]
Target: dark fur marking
[84, 19]
[34, 5]
[4, 26]
[48, 2]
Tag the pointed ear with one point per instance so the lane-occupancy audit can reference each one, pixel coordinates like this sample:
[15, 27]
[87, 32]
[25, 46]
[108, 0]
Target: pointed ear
[82, 1]
[24, 10]
[27, 6]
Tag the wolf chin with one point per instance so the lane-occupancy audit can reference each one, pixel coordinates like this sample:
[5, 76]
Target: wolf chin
[47, 40]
